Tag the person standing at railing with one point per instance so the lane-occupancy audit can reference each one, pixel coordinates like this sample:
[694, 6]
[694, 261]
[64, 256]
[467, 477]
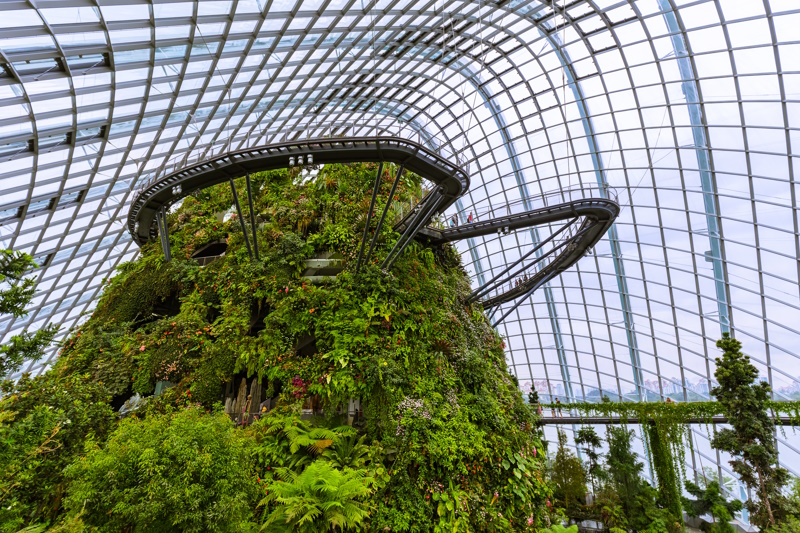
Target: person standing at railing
[454, 221]
[469, 218]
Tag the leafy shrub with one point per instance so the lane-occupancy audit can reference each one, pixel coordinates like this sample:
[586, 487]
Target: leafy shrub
[186, 471]
[44, 423]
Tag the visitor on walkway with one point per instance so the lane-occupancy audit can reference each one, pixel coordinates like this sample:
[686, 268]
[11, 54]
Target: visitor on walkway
[558, 408]
[454, 221]
[469, 218]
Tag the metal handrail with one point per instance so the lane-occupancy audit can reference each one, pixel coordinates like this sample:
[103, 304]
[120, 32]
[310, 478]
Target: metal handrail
[186, 162]
[249, 141]
[547, 199]
[542, 263]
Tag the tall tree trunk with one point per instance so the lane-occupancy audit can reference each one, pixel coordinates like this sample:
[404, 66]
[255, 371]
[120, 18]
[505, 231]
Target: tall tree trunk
[765, 496]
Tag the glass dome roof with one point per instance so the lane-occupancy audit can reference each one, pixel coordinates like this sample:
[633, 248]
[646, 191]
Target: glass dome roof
[684, 111]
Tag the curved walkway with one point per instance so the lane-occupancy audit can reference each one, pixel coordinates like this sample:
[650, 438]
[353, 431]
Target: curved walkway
[147, 212]
[161, 191]
[598, 214]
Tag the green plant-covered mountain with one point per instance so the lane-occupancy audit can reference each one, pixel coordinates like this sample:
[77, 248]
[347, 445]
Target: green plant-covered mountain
[377, 400]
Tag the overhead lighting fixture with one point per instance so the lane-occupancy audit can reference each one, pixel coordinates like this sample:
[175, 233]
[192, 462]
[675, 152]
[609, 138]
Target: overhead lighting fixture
[310, 159]
[299, 160]
[291, 161]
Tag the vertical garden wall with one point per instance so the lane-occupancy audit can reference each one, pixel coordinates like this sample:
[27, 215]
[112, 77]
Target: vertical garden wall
[377, 400]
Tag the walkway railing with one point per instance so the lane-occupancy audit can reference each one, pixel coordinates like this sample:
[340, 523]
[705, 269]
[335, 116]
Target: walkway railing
[547, 199]
[435, 143]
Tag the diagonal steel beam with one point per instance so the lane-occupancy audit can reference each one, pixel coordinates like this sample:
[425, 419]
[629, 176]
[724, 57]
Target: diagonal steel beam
[163, 232]
[385, 210]
[375, 190]
[252, 215]
[539, 258]
[425, 213]
[241, 218]
[480, 291]
[519, 302]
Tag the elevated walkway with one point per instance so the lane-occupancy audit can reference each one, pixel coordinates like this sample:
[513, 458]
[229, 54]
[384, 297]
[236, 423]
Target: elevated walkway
[147, 214]
[167, 187]
[567, 420]
[597, 215]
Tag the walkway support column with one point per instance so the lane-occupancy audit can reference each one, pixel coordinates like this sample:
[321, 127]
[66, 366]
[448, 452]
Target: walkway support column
[375, 190]
[241, 218]
[252, 215]
[163, 232]
[385, 210]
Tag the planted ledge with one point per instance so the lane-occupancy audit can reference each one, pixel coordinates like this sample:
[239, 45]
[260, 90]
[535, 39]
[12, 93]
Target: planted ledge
[320, 268]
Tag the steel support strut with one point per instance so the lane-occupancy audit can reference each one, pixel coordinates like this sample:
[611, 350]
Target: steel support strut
[536, 261]
[241, 219]
[385, 210]
[252, 215]
[424, 214]
[163, 231]
[489, 285]
[375, 190]
[519, 302]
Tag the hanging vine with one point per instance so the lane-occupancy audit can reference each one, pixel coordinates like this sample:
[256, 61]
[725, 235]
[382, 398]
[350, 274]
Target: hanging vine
[682, 412]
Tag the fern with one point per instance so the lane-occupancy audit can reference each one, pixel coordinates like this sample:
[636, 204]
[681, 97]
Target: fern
[348, 452]
[317, 500]
[294, 441]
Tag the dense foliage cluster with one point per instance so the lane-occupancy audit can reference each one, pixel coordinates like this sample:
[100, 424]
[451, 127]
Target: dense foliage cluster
[445, 441]
[179, 471]
[621, 497]
[16, 292]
